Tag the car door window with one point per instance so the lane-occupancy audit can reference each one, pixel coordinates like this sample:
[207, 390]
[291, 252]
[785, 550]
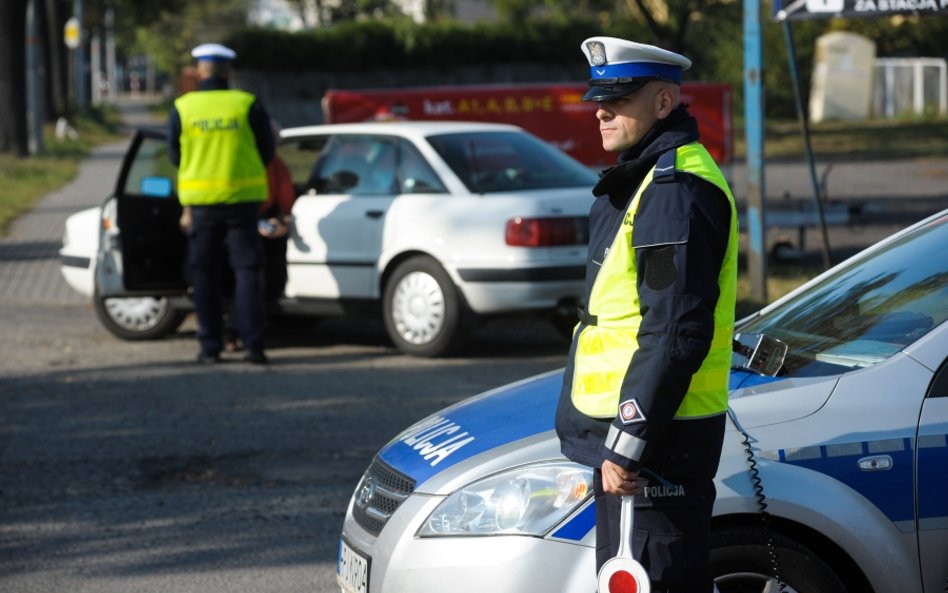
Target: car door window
[151, 161]
[415, 175]
[358, 165]
[301, 157]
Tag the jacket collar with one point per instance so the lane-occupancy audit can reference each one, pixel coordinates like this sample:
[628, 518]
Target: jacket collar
[678, 129]
[213, 84]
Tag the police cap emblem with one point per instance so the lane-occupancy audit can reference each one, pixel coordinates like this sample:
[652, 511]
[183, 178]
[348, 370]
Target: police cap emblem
[597, 53]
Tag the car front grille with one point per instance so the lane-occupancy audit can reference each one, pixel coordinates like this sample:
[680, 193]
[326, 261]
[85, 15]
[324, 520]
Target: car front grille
[379, 494]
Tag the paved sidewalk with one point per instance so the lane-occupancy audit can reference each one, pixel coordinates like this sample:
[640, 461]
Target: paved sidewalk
[29, 254]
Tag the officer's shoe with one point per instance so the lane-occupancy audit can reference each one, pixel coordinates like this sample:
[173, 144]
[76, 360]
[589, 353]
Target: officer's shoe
[208, 359]
[256, 357]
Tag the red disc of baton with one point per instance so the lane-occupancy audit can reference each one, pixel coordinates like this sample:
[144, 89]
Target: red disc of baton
[623, 582]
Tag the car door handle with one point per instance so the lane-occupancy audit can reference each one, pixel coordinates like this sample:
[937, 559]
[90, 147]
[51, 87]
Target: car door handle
[375, 213]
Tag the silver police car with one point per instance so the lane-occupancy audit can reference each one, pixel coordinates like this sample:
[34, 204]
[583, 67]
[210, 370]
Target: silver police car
[834, 475]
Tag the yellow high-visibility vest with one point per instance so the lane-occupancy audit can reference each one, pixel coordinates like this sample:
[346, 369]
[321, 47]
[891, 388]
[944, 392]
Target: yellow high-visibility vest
[220, 162]
[605, 349]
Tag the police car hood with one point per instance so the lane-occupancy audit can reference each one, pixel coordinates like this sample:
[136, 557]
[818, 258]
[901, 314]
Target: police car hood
[474, 426]
[520, 417]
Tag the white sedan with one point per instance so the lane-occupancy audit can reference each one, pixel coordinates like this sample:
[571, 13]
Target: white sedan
[433, 225]
[833, 478]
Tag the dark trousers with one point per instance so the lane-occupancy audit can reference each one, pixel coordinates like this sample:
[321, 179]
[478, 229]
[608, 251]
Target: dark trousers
[213, 227]
[671, 534]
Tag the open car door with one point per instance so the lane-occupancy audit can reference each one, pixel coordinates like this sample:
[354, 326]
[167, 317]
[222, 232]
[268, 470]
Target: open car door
[144, 252]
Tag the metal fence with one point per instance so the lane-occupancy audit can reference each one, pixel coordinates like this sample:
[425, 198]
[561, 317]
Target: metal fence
[910, 86]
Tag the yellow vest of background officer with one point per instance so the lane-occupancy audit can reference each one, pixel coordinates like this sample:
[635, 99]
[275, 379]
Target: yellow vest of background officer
[220, 162]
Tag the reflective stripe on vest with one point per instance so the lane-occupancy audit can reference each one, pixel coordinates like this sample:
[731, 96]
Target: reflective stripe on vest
[605, 349]
[220, 162]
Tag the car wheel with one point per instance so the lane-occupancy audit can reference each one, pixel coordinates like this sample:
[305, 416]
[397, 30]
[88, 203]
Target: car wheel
[422, 308]
[741, 563]
[138, 318]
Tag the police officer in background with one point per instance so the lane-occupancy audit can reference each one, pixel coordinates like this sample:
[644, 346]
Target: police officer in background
[645, 391]
[221, 142]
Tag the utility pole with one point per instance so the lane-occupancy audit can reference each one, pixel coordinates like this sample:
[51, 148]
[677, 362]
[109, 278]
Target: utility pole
[95, 67]
[82, 69]
[110, 71]
[754, 132]
[35, 114]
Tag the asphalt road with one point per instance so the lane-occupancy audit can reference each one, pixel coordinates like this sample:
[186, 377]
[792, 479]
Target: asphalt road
[127, 467]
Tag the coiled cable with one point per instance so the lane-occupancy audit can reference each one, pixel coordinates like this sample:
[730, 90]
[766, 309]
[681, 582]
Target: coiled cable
[758, 486]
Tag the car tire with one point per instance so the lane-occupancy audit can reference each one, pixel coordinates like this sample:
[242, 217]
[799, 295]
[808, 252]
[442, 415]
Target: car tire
[740, 562]
[138, 318]
[422, 309]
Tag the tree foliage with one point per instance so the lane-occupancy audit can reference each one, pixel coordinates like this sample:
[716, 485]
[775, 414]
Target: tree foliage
[518, 11]
[348, 34]
[167, 30]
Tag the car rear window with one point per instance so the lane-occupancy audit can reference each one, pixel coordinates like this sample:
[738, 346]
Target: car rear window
[489, 162]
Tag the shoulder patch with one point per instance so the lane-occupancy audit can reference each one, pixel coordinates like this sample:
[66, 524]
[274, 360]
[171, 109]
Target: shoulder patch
[630, 412]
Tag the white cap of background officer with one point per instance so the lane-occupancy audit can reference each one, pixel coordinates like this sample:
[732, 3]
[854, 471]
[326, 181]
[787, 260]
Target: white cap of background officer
[618, 67]
[214, 52]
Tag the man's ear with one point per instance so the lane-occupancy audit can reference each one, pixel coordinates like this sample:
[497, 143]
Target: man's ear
[664, 102]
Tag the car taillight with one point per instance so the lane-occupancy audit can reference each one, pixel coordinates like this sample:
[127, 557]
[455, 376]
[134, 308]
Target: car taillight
[547, 232]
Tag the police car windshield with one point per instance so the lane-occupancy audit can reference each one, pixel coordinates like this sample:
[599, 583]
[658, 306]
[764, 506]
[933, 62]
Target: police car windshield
[868, 311]
[490, 162]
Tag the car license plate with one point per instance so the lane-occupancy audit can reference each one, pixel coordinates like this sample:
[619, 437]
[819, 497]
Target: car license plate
[352, 569]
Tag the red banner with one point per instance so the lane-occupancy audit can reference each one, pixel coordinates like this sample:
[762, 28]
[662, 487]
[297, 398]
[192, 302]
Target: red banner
[553, 112]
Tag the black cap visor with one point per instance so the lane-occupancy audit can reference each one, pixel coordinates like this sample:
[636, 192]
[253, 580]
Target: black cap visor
[604, 89]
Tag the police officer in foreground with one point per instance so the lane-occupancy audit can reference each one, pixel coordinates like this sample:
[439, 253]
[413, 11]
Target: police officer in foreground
[220, 140]
[645, 391]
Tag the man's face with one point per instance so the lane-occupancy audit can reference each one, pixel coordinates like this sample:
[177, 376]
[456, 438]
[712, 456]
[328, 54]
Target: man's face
[623, 122]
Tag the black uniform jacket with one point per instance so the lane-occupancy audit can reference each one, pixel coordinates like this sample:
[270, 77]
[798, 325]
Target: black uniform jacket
[681, 235]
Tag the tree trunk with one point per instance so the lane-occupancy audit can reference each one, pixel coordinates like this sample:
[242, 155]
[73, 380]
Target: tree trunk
[13, 77]
[56, 59]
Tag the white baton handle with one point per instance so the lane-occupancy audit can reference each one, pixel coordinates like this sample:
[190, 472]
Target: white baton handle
[626, 518]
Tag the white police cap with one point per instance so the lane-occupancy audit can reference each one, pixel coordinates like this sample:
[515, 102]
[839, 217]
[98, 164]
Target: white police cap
[213, 51]
[619, 67]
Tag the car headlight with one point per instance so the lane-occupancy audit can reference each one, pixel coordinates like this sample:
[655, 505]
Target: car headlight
[527, 500]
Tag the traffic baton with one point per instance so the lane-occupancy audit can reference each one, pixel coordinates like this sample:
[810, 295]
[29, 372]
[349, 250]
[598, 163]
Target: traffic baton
[623, 574]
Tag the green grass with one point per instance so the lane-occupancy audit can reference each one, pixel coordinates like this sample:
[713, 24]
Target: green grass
[26, 180]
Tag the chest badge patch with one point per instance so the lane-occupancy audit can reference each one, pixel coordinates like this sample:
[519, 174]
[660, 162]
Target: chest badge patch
[630, 412]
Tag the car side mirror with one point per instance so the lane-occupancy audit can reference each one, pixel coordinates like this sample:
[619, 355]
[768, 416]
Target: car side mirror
[759, 353]
[342, 181]
[156, 187]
